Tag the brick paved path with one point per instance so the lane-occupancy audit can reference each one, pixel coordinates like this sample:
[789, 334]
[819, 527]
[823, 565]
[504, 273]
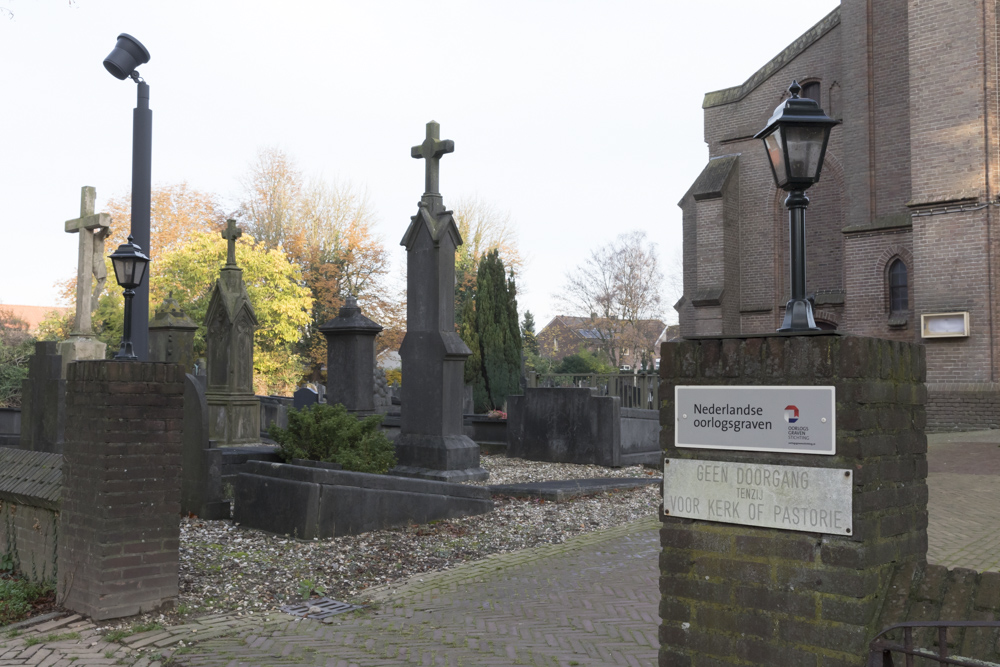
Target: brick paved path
[590, 601]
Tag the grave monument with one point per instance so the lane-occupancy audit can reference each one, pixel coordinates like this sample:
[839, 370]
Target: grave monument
[350, 366]
[233, 409]
[431, 443]
[171, 335]
[91, 274]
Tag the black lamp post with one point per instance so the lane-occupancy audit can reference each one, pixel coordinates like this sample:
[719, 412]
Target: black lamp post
[130, 268]
[796, 139]
[122, 62]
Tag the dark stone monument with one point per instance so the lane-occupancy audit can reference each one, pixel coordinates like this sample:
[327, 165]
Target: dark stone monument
[431, 443]
[740, 594]
[118, 529]
[233, 409]
[304, 397]
[350, 365]
[171, 335]
[43, 403]
[201, 481]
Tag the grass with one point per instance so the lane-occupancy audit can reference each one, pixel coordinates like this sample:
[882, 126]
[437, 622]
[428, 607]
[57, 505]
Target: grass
[18, 597]
[54, 637]
[122, 633]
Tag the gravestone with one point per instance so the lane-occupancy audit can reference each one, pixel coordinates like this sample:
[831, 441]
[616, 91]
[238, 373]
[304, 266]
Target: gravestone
[304, 397]
[201, 479]
[350, 365]
[171, 335]
[43, 401]
[431, 443]
[233, 409]
[91, 273]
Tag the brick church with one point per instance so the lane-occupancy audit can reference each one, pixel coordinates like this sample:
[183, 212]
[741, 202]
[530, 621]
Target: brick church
[901, 234]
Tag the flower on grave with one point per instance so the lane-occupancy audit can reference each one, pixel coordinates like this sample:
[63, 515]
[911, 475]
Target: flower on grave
[496, 414]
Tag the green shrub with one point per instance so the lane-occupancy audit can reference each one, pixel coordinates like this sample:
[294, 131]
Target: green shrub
[16, 598]
[330, 433]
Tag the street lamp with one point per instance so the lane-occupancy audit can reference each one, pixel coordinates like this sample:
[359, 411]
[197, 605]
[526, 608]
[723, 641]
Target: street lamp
[795, 138]
[130, 268]
[122, 62]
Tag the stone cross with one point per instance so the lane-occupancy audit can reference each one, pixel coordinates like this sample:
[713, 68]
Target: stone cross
[431, 150]
[231, 233]
[93, 229]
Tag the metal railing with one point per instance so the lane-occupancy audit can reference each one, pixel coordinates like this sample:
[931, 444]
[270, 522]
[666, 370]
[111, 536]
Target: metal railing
[636, 390]
[880, 649]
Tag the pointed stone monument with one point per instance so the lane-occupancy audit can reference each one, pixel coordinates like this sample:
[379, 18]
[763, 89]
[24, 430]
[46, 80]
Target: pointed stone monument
[91, 274]
[233, 409]
[431, 444]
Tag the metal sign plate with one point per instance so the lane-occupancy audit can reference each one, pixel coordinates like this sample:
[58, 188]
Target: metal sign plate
[799, 420]
[814, 500]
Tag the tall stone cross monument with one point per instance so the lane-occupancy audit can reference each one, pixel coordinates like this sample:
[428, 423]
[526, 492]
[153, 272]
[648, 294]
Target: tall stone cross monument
[91, 274]
[233, 409]
[430, 443]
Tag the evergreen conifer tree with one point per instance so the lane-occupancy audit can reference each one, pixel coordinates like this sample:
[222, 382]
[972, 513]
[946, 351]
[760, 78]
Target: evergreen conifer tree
[528, 337]
[474, 364]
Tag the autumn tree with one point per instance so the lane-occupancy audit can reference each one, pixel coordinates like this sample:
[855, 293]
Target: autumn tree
[327, 229]
[483, 228]
[16, 348]
[620, 287]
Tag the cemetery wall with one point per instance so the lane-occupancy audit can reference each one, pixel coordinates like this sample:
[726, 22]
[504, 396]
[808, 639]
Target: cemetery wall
[967, 406]
[734, 593]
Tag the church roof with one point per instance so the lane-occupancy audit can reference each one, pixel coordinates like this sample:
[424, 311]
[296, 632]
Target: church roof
[811, 36]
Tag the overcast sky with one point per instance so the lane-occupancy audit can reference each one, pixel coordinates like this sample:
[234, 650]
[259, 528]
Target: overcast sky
[581, 118]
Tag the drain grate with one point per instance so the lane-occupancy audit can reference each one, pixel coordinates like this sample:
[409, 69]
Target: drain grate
[319, 608]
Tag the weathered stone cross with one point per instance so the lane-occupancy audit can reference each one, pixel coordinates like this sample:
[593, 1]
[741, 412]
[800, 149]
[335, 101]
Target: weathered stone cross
[431, 150]
[231, 233]
[93, 229]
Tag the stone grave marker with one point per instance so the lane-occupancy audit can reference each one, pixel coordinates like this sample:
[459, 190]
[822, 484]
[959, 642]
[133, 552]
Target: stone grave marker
[233, 409]
[171, 335]
[43, 406]
[431, 443]
[304, 397]
[91, 275]
[350, 366]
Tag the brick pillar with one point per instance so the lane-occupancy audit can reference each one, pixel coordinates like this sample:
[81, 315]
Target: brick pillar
[119, 526]
[742, 595]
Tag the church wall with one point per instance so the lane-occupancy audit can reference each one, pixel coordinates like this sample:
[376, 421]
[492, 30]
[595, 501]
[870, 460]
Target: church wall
[869, 254]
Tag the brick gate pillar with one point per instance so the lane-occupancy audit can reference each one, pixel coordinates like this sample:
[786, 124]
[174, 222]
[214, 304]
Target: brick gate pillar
[742, 595]
[119, 527]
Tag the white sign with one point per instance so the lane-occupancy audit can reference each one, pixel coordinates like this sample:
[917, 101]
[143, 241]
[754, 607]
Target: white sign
[799, 420]
[814, 500]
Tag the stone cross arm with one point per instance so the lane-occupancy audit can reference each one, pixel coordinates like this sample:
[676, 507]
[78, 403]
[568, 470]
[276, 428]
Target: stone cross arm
[91, 222]
[231, 233]
[431, 150]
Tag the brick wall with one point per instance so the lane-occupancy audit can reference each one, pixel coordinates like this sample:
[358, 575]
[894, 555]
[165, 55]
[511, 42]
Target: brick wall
[967, 406]
[736, 595]
[30, 493]
[119, 526]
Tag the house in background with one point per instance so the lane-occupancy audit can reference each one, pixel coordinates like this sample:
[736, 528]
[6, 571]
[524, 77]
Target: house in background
[567, 334]
[33, 315]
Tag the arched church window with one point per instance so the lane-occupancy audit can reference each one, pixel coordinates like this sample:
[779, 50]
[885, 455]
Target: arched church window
[811, 90]
[899, 298]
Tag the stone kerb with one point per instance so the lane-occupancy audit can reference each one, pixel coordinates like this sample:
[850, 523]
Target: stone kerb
[118, 529]
[736, 594]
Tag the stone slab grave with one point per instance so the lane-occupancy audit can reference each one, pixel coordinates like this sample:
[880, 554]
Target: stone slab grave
[568, 489]
[10, 427]
[573, 425]
[310, 500]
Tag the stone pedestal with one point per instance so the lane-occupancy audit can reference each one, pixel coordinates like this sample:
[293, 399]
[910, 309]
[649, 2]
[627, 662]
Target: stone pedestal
[350, 365]
[171, 336]
[80, 348]
[737, 594]
[43, 403]
[233, 409]
[118, 528]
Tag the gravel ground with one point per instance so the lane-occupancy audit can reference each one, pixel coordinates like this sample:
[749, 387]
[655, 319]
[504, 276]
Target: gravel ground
[226, 568]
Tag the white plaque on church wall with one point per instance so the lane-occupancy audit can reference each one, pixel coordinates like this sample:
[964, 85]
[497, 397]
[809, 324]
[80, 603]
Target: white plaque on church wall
[813, 500]
[944, 325]
[787, 419]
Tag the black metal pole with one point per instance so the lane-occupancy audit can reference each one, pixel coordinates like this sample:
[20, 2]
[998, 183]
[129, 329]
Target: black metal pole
[798, 311]
[142, 143]
[126, 352]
